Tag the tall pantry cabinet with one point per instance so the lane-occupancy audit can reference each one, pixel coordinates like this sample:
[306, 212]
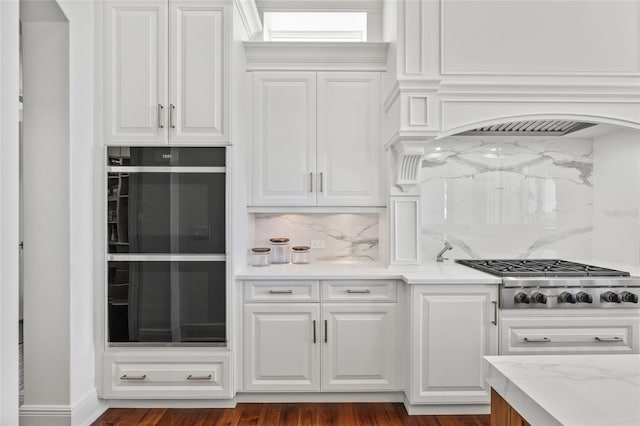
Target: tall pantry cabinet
[166, 71]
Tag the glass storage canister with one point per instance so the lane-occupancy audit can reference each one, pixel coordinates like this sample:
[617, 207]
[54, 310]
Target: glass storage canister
[279, 250]
[300, 254]
[260, 256]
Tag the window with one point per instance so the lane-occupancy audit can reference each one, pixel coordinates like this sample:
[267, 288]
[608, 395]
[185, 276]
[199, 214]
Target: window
[315, 26]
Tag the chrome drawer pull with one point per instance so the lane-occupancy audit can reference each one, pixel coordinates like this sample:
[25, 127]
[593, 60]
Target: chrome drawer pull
[280, 291]
[537, 340]
[125, 377]
[366, 291]
[608, 339]
[160, 113]
[192, 377]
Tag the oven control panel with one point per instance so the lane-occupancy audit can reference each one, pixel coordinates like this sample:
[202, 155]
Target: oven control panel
[569, 297]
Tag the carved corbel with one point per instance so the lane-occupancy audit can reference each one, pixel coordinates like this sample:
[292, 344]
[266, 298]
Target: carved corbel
[408, 156]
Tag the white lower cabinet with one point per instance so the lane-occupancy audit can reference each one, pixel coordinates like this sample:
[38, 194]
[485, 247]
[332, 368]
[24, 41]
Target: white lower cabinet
[168, 375]
[452, 328]
[282, 349]
[547, 332]
[315, 346]
[359, 349]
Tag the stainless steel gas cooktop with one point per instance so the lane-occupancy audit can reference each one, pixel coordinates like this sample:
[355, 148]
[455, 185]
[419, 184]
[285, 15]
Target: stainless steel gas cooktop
[557, 283]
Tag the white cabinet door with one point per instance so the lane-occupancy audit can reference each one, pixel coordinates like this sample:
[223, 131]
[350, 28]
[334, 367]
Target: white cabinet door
[199, 80]
[284, 149]
[453, 328]
[282, 347]
[349, 148]
[359, 347]
[135, 72]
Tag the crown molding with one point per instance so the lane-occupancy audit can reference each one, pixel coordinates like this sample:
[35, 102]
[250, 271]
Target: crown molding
[317, 56]
[248, 12]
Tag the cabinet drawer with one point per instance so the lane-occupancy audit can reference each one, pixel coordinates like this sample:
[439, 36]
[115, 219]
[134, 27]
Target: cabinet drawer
[141, 376]
[561, 337]
[281, 291]
[357, 290]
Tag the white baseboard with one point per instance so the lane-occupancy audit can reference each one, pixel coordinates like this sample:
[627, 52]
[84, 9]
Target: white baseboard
[81, 413]
[171, 403]
[321, 397]
[445, 409]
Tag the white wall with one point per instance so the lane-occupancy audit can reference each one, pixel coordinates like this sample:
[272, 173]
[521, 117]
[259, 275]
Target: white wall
[616, 201]
[9, 212]
[46, 212]
[540, 37]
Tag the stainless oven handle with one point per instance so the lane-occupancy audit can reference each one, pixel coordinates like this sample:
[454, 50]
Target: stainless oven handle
[165, 169]
[537, 340]
[608, 339]
[135, 257]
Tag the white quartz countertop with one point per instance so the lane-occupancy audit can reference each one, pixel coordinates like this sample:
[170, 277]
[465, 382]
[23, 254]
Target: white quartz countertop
[435, 273]
[580, 390]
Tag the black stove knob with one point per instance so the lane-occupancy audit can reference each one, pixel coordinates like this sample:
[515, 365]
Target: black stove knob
[583, 297]
[538, 298]
[610, 296]
[629, 297]
[521, 297]
[566, 297]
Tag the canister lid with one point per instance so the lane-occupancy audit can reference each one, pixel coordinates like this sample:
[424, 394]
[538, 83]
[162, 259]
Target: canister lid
[261, 249]
[279, 240]
[300, 248]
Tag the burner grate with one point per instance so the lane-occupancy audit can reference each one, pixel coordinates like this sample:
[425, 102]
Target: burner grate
[539, 268]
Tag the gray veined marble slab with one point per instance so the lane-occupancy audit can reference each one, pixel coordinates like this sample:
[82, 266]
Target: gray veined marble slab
[508, 197]
[571, 390]
[347, 236]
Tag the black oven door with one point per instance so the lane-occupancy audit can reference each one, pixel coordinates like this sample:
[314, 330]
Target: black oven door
[166, 211]
[169, 302]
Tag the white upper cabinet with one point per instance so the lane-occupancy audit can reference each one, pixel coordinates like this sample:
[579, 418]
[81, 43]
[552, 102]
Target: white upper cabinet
[284, 150]
[166, 72]
[135, 71]
[316, 139]
[348, 138]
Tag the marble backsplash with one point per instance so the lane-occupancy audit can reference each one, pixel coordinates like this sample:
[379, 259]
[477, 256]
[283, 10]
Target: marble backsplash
[508, 197]
[347, 236]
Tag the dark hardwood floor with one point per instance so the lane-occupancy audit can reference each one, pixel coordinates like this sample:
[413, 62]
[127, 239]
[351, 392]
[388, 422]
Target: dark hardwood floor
[348, 414]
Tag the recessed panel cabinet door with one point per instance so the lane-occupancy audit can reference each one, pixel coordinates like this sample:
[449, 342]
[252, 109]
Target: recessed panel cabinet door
[135, 71]
[199, 83]
[453, 328]
[359, 346]
[349, 138]
[282, 347]
[284, 120]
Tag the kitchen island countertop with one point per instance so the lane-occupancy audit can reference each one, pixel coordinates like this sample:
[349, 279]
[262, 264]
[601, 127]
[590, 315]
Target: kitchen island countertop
[578, 390]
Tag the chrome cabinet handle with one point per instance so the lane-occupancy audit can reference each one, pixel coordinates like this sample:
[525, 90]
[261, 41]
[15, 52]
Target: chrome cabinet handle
[125, 377]
[321, 179]
[495, 313]
[537, 340]
[608, 339]
[160, 113]
[280, 291]
[192, 377]
[325, 331]
[314, 331]
[171, 110]
[365, 291]
[311, 182]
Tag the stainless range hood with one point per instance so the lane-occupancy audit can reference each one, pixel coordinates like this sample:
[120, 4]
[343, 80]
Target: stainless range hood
[530, 128]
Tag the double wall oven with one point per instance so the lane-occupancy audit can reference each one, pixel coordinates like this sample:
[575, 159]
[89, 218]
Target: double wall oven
[166, 246]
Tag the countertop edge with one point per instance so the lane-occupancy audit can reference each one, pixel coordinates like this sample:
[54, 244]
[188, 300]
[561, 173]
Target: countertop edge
[524, 404]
